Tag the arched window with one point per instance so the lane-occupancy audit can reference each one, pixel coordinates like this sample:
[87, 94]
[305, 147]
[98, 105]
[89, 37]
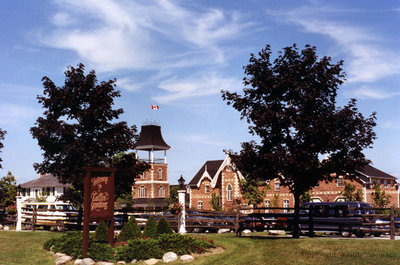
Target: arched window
[229, 192]
[159, 173]
[161, 192]
[142, 192]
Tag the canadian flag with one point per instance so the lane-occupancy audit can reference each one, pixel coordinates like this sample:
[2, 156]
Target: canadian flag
[155, 107]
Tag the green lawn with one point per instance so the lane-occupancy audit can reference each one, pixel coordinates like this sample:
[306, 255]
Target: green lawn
[26, 248]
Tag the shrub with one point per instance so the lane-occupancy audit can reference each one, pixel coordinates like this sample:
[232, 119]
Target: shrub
[184, 244]
[100, 251]
[150, 228]
[12, 209]
[69, 243]
[49, 243]
[101, 233]
[130, 231]
[163, 227]
[139, 249]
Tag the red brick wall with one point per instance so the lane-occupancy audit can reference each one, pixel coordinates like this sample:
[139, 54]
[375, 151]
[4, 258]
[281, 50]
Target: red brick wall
[152, 175]
[199, 194]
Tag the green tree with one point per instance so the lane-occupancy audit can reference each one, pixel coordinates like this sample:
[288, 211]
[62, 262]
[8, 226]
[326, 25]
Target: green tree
[131, 230]
[215, 202]
[2, 133]
[8, 190]
[306, 197]
[379, 197]
[77, 130]
[351, 194]
[150, 228]
[289, 104]
[163, 227]
[251, 191]
[173, 196]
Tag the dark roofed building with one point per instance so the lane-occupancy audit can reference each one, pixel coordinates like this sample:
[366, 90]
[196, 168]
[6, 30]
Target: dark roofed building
[46, 185]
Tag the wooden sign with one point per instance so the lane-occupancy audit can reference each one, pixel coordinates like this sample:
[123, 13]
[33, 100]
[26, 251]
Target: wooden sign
[98, 201]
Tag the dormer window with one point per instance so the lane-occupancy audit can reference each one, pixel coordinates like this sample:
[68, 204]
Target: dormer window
[207, 188]
[143, 176]
[277, 186]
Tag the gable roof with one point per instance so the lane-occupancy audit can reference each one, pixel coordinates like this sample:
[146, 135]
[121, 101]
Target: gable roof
[210, 166]
[44, 181]
[371, 172]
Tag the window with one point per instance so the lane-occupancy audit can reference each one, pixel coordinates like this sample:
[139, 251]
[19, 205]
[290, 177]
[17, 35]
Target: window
[200, 205]
[277, 186]
[385, 184]
[317, 186]
[339, 182]
[207, 188]
[48, 191]
[23, 192]
[229, 192]
[285, 205]
[54, 191]
[159, 173]
[142, 192]
[267, 205]
[161, 192]
[143, 176]
[392, 184]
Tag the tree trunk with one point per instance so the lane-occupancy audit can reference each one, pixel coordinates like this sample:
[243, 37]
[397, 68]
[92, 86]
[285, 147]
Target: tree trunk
[295, 224]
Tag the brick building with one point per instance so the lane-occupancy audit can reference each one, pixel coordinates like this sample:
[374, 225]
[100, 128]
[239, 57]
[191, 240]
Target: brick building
[221, 177]
[152, 187]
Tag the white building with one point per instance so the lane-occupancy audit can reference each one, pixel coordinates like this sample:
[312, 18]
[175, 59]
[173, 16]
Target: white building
[45, 186]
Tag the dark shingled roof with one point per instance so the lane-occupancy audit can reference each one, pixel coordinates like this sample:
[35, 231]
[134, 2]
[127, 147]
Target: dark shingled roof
[212, 168]
[372, 172]
[44, 181]
[151, 139]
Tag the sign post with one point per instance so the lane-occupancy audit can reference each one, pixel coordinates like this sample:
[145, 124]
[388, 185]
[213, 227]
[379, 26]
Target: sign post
[98, 202]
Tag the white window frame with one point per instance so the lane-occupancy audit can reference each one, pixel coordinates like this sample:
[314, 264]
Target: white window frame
[200, 205]
[277, 186]
[161, 192]
[286, 204]
[339, 183]
[267, 205]
[229, 192]
[143, 176]
[207, 188]
[142, 192]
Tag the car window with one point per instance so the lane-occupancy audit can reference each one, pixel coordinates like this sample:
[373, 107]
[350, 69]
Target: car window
[52, 207]
[42, 207]
[341, 211]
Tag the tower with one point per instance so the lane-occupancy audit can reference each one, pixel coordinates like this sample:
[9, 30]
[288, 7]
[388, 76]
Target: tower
[152, 184]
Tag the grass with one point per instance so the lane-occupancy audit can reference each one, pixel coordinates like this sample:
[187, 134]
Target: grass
[26, 248]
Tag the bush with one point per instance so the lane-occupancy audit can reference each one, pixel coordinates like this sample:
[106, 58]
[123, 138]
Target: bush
[69, 243]
[11, 210]
[184, 244]
[130, 231]
[100, 251]
[139, 249]
[150, 228]
[49, 243]
[163, 227]
[101, 233]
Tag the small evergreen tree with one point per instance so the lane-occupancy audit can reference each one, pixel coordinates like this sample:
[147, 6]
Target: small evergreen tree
[150, 228]
[163, 227]
[380, 198]
[215, 202]
[130, 230]
[101, 233]
[351, 194]
[306, 197]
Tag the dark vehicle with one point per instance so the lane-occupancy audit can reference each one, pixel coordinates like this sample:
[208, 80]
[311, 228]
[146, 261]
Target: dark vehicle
[342, 217]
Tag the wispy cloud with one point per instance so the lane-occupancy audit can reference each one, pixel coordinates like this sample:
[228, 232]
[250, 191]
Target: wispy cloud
[391, 124]
[368, 61]
[202, 139]
[113, 35]
[12, 114]
[366, 92]
[194, 86]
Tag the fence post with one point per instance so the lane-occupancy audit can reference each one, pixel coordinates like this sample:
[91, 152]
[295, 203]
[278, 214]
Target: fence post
[19, 213]
[392, 222]
[310, 221]
[237, 217]
[34, 218]
[182, 215]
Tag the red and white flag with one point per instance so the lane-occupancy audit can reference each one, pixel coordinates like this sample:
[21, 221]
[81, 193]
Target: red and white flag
[155, 107]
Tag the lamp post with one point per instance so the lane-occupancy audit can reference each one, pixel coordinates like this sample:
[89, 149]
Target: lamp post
[181, 199]
[19, 209]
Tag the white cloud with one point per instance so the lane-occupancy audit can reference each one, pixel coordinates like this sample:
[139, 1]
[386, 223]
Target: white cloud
[368, 62]
[199, 85]
[12, 114]
[391, 124]
[365, 92]
[113, 35]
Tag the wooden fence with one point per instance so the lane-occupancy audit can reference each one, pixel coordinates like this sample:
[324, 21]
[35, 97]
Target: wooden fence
[259, 219]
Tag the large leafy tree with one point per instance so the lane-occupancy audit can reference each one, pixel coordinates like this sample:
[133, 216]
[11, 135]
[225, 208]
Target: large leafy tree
[2, 133]
[290, 103]
[8, 190]
[77, 130]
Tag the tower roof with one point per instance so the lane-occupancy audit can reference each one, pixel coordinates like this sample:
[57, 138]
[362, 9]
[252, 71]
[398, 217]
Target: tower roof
[151, 139]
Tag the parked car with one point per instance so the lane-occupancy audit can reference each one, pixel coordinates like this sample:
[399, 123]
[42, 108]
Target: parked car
[335, 217]
[56, 214]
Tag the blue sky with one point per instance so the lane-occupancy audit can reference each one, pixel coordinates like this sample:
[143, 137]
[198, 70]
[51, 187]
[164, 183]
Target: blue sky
[180, 54]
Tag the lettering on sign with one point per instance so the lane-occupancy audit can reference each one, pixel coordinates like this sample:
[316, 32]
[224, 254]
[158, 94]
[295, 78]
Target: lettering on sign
[99, 197]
